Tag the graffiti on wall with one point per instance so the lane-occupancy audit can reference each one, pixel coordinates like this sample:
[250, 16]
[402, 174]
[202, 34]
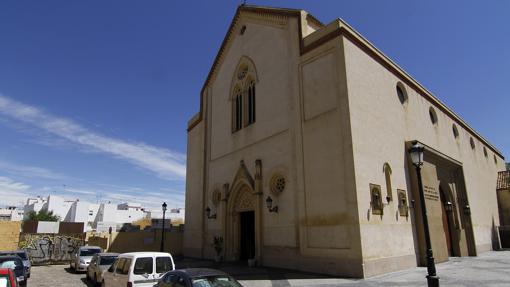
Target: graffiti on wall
[50, 248]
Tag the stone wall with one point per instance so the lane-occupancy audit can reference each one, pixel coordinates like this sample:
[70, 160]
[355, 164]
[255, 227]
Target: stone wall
[9, 235]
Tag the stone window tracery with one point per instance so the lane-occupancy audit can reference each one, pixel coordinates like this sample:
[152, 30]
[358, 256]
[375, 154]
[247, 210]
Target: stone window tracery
[277, 184]
[244, 95]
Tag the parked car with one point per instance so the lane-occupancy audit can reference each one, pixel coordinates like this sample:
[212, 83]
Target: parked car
[98, 265]
[197, 277]
[81, 259]
[16, 264]
[138, 269]
[8, 278]
[24, 257]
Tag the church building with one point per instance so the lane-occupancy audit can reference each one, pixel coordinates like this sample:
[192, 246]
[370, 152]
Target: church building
[298, 157]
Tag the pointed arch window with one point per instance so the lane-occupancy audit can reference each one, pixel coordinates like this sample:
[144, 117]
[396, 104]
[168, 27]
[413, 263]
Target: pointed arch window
[237, 110]
[251, 103]
[387, 175]
[243, 95]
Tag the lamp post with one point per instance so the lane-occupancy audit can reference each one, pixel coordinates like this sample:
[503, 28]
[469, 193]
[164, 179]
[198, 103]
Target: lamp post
[162, 247]
[416, 153]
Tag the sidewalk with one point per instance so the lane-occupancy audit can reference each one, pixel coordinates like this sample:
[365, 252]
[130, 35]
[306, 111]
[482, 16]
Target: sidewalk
[488, 269]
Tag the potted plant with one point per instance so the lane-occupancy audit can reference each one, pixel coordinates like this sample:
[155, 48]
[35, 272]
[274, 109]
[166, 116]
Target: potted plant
[218, 247]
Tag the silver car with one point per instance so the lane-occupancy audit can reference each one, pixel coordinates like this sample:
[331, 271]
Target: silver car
[100, 263]
[24, 257]
[81, 259]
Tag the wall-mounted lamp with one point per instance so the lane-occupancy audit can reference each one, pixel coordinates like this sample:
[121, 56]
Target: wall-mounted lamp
[448, 206]
[269, 204]
[467, 209]
[208, 213]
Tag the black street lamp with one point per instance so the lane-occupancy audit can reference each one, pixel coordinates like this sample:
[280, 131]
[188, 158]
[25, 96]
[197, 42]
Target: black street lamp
[162, 247]
[416, 153]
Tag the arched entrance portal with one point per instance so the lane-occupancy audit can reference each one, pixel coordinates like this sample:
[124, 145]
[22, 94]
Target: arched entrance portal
[243, 218]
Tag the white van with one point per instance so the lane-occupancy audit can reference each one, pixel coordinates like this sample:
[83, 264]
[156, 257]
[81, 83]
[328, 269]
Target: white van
[138, 269]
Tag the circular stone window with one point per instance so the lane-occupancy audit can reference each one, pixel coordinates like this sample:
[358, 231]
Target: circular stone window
[495, 159]
[485, 152]
[472, 143]
[277, 184]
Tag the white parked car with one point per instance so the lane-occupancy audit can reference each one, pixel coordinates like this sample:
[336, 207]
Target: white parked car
[81, 259]
[98, 265]
[138, 269]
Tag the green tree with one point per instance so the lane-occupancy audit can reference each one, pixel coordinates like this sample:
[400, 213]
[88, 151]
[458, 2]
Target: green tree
[42, 215]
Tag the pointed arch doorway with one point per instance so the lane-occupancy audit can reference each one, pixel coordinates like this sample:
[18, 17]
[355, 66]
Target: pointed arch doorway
[243, 220]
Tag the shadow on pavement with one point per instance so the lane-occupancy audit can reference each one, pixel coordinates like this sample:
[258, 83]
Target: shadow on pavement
[241, 271]
[88, 283]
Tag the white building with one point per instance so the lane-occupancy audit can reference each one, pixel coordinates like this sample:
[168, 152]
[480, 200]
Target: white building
[11, 213]
[59, 206]
[97, 216]
[174, 214]
[34, 204]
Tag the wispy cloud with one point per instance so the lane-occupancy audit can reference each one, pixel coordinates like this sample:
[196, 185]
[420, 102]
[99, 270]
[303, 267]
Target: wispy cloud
[29, 171]
[13, 192]
[165, 163]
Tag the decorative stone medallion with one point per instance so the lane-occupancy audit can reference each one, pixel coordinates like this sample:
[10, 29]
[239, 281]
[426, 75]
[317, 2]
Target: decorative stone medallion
[277, 184]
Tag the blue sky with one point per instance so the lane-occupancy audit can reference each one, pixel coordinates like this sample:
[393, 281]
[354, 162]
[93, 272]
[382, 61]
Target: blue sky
[95, 95]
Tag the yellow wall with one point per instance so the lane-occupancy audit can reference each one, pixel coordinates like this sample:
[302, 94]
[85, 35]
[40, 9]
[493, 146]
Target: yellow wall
[9, 235]
[135, 241]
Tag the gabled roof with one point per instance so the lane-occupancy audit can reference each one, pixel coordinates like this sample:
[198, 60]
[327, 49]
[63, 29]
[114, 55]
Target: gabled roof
[324, 34]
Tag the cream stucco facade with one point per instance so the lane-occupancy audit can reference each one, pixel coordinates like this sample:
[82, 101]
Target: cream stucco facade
[328, 133]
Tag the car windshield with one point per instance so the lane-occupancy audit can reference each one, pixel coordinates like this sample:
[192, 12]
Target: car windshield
[107, 260]
[89, 252]
[215, 281]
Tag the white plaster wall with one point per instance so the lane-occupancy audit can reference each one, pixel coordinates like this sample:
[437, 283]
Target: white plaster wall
[47, 227]
[58, 205]
[94, 207]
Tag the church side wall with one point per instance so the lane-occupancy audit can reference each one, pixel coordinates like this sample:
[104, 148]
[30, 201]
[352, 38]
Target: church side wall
[380, 127]
[192, 243]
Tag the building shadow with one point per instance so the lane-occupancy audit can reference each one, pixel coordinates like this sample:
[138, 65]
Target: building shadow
[240, 271]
